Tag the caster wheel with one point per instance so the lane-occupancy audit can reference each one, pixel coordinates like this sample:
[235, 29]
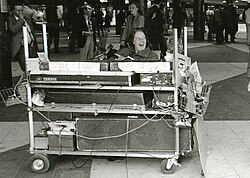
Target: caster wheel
[40, 163]
[164, 168]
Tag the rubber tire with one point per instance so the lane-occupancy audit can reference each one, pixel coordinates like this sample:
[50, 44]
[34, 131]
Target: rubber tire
[45, 160]
[164, 169]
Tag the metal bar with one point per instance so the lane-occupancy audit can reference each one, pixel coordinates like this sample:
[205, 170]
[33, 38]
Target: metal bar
[30, 115]
[25, 42]
[142, 154]
[45, 44]
[185, 41]
[176, 76]
[127, 137]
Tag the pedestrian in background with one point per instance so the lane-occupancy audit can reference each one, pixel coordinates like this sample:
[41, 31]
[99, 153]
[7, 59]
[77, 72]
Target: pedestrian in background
[210, 23]
[218, 23]
[154, 25]
[99, 21]
[16, 21]
[246, 19]
[85, 33]
[53, 18]
[134, 20]
[108, 19]
[179, 17]
[232, 22]
[120, 21]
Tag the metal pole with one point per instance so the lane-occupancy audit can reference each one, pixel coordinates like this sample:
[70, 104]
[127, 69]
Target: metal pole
[45, 44]
[185, 41]
[25, 42]
[176, 78]
[30, 114]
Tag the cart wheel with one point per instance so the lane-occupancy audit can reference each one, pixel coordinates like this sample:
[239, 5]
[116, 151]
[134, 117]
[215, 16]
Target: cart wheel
[40, 163]
[164, 168]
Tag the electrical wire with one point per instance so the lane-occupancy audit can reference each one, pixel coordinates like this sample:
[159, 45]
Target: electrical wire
[170, 110]
[79, 166]
[114, 136]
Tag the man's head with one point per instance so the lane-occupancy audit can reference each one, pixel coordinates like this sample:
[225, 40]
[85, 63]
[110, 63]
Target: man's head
[139, 41]
[87, 10]
[134, 8]
[17, 10]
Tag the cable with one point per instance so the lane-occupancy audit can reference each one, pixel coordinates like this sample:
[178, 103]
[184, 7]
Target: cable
[115, 136]
[80, 166]
[114, 99]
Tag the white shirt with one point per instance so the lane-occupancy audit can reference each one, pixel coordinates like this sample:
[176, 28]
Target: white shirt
[247, 15]
[30, 36]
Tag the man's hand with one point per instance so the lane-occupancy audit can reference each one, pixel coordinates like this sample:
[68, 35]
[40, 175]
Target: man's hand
[248, 86]
[123, 43]
[86, 33]
[21, 15]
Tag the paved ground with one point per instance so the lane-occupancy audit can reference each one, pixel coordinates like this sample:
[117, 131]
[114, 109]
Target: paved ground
[227, 126]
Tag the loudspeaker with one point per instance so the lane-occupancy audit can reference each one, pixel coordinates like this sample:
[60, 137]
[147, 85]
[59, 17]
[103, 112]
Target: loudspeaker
[155, 135]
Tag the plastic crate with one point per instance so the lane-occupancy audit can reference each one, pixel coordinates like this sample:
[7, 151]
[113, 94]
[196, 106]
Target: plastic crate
[10, 97]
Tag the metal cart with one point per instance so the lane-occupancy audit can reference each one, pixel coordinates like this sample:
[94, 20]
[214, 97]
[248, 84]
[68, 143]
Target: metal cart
[100, 129]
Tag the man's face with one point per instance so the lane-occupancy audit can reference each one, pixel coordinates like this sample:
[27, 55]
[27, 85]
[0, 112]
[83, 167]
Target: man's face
[88, 10]
[18, 10]
[133, 9]
[139, 41]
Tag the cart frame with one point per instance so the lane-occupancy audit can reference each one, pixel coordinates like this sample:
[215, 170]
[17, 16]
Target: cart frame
[40, 160]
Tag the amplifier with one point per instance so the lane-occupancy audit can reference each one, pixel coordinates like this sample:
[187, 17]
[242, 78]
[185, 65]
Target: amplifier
[156, 79]
[112, 131]
[98, 78]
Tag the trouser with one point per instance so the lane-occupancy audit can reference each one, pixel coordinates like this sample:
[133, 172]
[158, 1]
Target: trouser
[53, 32]
[72, 41]
[219, 34]
[20, 57]
[248, 33]
[87, 52]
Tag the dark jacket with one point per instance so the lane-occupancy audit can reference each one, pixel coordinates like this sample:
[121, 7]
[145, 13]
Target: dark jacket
[80, 26]
[146, 54]
[16, 31]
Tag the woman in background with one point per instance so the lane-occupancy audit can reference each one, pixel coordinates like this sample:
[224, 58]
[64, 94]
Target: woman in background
[135, 20]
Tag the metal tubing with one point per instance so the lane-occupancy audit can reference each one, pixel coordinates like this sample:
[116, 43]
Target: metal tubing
[176, 73]
[185, 41]
[25, 42]
[31, 121]
[45, 44]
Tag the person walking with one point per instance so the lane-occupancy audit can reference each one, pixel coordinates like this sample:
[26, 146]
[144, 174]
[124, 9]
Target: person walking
[232, 22]
[210, 23]
[120, 21]
[53, 18]
[108, 19]
[134, 20]
[16, 21]
[85, 33]
[99, 21]
[155, 27]
[246, 19]
[179, 16]
[219, 24]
